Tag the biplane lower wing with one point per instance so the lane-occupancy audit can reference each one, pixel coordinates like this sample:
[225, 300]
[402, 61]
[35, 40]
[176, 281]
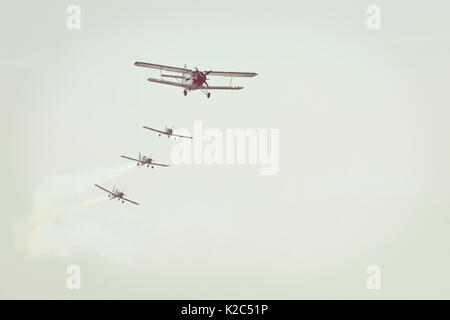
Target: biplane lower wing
[221, 88]
[171, 83]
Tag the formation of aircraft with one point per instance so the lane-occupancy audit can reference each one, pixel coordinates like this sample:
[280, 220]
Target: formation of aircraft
[188, 80]
[116, 194]
[142, 161]
[167, 131]
[193, 79]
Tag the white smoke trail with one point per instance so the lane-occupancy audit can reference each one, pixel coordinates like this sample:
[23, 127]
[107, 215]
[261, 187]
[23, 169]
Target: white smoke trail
[55, 202]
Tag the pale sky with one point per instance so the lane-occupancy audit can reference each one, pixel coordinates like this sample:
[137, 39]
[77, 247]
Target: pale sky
[364, 152]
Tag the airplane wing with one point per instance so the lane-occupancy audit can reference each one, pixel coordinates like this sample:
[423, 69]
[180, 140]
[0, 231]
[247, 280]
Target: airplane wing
[159, 164]
[132, 159]
[177, 135]
[161, 67]
[221, 88]
[232, 74]
[154, 130]
[130, 201]
[104, 189]
[171, 83]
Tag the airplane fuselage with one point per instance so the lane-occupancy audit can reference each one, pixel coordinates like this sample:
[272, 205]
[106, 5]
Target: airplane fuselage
[117, 194]
[145, 162]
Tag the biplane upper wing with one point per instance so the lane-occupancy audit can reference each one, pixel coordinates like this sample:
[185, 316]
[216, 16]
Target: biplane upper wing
[222, 88]
[176, 84]
[132, 159]
[177, 135]
[161, 67]
[231, 74]
[104, 189]
[154, 130]
[130, 201]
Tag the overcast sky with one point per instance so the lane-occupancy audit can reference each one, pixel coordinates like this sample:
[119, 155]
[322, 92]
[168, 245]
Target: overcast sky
[364, 159]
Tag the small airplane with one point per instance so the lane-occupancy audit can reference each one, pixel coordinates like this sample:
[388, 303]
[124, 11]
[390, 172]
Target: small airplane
[193, 79]
[142, 161]
[167, 131]
[115, 193]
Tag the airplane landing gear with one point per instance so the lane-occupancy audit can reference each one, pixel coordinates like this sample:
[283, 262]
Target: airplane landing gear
[185, 92]
[152, 167]
[209, 94]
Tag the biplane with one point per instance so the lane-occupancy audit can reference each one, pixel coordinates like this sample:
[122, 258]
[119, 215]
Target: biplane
[193, 79]
[143, 160]
[116, 194]
[167, 131]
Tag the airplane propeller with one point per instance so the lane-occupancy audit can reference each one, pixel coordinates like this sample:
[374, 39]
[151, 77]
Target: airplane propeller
[204, 73]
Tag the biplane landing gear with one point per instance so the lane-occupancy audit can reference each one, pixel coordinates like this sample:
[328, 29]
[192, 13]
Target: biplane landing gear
[185, 92]
[123, 201]
[147, 166]
[152, 167]
[159, 135]
[209, 94]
